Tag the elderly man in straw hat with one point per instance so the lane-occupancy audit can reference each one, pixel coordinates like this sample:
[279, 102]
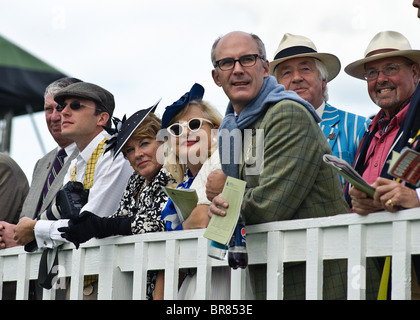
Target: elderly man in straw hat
[391, 69]
[299, 67]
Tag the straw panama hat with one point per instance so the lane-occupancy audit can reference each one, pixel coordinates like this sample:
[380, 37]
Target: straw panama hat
[294, 46]
[395, 45]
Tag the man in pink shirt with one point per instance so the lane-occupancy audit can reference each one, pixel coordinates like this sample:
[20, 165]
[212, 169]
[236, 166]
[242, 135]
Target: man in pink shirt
[391, 69]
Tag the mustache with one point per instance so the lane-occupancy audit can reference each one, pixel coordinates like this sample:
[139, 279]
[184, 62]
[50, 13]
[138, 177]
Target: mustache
[385, 85]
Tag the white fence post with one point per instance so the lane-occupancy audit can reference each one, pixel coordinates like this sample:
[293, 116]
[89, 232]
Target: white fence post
[401, 261]
[314, 264]
[356, 266]
[77, 274]
[275, 269]
[204, 269]
[22, 286]
[140, 272]
[171, 269]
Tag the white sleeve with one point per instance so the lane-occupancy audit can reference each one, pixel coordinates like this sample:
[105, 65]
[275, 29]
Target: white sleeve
[47, 234]
[199, 183]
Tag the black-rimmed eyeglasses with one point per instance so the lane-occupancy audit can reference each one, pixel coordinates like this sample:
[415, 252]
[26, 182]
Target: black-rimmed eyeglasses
[247, 60]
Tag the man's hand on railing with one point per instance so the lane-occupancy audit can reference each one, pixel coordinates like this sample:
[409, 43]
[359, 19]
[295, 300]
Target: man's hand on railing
[6, 235]
[24, 231]
[394, 195]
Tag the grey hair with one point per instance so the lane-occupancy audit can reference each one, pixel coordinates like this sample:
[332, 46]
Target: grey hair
[59, 84]
[260, 44]
[323, 75]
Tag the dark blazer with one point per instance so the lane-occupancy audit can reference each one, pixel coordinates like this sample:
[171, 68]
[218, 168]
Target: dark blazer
[14, 188]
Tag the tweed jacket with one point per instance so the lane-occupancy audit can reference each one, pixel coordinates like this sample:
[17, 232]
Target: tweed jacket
[344, 131]
[294, 183]
[32, 206]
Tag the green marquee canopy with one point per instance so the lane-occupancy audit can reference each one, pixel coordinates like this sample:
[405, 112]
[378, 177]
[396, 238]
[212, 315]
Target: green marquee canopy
[23, 79]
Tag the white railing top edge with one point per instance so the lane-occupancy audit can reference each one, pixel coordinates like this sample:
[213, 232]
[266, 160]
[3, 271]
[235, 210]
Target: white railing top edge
[298, 224]
[336, 221]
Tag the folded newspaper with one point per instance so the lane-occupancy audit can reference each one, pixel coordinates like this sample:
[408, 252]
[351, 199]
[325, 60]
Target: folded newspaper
[348, 173]
[406, 166]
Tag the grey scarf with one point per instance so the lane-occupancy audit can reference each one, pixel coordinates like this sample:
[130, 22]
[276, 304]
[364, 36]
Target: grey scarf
[271, 92]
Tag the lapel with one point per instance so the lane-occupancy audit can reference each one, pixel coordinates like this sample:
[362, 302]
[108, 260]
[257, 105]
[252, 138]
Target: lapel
[58, 181]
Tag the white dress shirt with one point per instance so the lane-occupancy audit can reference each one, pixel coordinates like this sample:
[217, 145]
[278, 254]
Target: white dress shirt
[110, 180]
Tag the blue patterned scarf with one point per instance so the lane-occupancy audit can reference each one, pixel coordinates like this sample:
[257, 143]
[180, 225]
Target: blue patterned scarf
[271, 92]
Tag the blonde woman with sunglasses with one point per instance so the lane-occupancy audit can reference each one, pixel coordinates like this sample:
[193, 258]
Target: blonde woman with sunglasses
[191, 128]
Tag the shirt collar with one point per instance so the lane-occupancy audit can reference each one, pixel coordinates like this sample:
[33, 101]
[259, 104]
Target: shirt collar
[87, 152]
[398, 118]
[70, 149]
[320, 110]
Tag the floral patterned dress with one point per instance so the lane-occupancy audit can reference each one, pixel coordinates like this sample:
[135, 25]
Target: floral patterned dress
[144, 203]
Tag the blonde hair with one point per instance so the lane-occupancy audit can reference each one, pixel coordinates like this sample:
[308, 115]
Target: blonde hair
[172, 163]
[149, 128]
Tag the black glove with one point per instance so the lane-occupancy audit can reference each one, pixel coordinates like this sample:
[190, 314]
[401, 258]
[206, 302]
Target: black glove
[88, 225]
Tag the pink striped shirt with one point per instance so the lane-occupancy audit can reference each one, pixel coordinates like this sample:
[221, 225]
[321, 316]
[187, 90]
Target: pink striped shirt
[380, 145]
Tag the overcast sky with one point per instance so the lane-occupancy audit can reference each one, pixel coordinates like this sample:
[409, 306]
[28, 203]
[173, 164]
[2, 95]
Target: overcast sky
[145, 50]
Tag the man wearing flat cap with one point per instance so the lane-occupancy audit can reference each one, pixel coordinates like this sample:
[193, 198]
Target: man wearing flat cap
[85, 109]
[300, 67]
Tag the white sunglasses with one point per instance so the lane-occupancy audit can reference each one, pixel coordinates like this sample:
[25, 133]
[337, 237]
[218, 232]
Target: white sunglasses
[194, 124]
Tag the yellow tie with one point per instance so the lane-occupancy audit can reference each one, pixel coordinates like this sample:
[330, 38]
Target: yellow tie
[90, 167]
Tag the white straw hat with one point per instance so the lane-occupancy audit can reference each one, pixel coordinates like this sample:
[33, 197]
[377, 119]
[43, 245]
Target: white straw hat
[294, 46]
[384, 45]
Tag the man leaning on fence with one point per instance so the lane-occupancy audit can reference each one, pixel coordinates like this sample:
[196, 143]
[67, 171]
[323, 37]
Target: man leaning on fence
[294, 182]
[391, 70]
[85, 108]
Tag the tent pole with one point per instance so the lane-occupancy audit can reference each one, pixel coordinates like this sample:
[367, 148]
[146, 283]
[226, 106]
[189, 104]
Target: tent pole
[31, 116]
[6, 132]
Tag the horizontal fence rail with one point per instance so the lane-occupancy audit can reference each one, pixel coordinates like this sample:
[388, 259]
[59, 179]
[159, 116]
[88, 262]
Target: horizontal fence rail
[122, 262]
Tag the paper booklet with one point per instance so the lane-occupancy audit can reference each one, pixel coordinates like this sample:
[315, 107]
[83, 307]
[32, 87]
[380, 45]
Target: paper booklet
[348, 173]
[185, 200]
[406, 166]
[220, 229]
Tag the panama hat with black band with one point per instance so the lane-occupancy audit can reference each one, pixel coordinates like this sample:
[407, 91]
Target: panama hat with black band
[385, 44]
[295, 46]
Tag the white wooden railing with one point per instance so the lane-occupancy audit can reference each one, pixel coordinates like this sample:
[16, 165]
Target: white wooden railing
[122, 262]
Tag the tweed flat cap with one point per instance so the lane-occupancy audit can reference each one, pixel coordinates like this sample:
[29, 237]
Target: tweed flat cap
[88, 91]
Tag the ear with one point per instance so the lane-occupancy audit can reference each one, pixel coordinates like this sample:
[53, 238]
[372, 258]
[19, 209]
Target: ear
[103, 118]
[266, 66]
[415, 69]
[215, 76]
[324, 83]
